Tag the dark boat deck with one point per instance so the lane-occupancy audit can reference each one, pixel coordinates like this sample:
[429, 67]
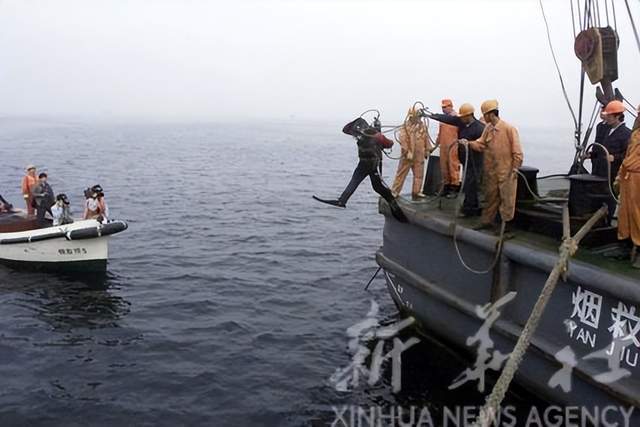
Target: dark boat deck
[427, 279]
[611, 256]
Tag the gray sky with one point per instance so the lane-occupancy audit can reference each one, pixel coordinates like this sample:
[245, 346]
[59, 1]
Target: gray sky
[188, 59]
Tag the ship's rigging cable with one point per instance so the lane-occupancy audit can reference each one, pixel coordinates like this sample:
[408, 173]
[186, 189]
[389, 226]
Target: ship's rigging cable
[633, 110]
[633, 24]
[590, 20]
[573, 19]
[592, 123]
[606, 11]
[615, 18]
[578, 132]
[579, 15]
[587, 14]
[553, 54]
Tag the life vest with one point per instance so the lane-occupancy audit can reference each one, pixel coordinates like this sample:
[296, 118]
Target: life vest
[28, 183]
[92, 208]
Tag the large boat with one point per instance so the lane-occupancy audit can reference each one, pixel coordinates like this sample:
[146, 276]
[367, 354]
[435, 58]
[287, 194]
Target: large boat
[81, 245]
[439, 269]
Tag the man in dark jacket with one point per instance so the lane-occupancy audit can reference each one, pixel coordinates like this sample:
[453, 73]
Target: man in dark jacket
[370, 144]
[43, 197]
[598, 157]
[616, 142]
[469, 128]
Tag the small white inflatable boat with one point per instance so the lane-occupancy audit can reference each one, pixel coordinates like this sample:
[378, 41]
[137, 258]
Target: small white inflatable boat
[82, 245]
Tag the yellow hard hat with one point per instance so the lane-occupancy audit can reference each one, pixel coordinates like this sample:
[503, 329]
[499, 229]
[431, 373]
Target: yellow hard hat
[489, 105]
[466, 109]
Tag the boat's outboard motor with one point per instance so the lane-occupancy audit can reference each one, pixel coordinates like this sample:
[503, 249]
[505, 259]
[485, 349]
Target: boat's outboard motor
[587, 194]
[527, 185]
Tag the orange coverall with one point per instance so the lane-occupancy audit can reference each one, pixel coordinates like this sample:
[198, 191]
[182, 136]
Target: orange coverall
[502, 156]
[413, 139]
[449, 162]
[28, 182]
[629, 179]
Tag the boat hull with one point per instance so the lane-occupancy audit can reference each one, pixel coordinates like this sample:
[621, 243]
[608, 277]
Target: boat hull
[427, 281]
[83, 245]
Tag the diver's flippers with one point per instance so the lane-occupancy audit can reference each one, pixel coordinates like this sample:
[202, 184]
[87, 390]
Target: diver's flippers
[396, 211]
[336, 203]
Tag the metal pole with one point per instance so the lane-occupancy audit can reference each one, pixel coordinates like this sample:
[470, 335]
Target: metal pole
[374, 276]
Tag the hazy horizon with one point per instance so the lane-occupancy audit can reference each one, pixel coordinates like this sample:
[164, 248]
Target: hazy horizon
[283, 60]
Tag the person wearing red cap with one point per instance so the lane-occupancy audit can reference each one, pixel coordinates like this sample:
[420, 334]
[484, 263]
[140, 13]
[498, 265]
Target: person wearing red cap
[616, 142]
[449, 162]
[617, 138]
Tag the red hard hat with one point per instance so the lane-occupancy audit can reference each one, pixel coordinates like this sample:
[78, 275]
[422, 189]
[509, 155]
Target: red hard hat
[614, 107]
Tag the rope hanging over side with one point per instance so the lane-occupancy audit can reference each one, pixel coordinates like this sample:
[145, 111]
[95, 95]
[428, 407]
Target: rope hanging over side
[455, 224]
[567, 250]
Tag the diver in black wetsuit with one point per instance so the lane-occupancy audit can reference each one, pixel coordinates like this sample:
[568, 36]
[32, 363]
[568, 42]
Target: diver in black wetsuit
[370, 144]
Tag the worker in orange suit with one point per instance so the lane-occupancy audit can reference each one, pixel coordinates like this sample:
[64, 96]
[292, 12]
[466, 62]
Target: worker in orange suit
[628, 181]
[503, 157]
[414, 141]
[29, 181]
[449, 162]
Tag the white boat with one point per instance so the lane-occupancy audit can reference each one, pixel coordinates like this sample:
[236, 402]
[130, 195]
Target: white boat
[82, 245]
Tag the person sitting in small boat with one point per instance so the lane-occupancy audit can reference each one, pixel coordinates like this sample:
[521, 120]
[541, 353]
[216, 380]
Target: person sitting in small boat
[95, 206]
[102, 203]
[60, 210]
[43, 197]
[29, 181]
[5, 206]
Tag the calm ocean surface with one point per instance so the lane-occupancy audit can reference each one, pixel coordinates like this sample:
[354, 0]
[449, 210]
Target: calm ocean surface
[226, 303]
